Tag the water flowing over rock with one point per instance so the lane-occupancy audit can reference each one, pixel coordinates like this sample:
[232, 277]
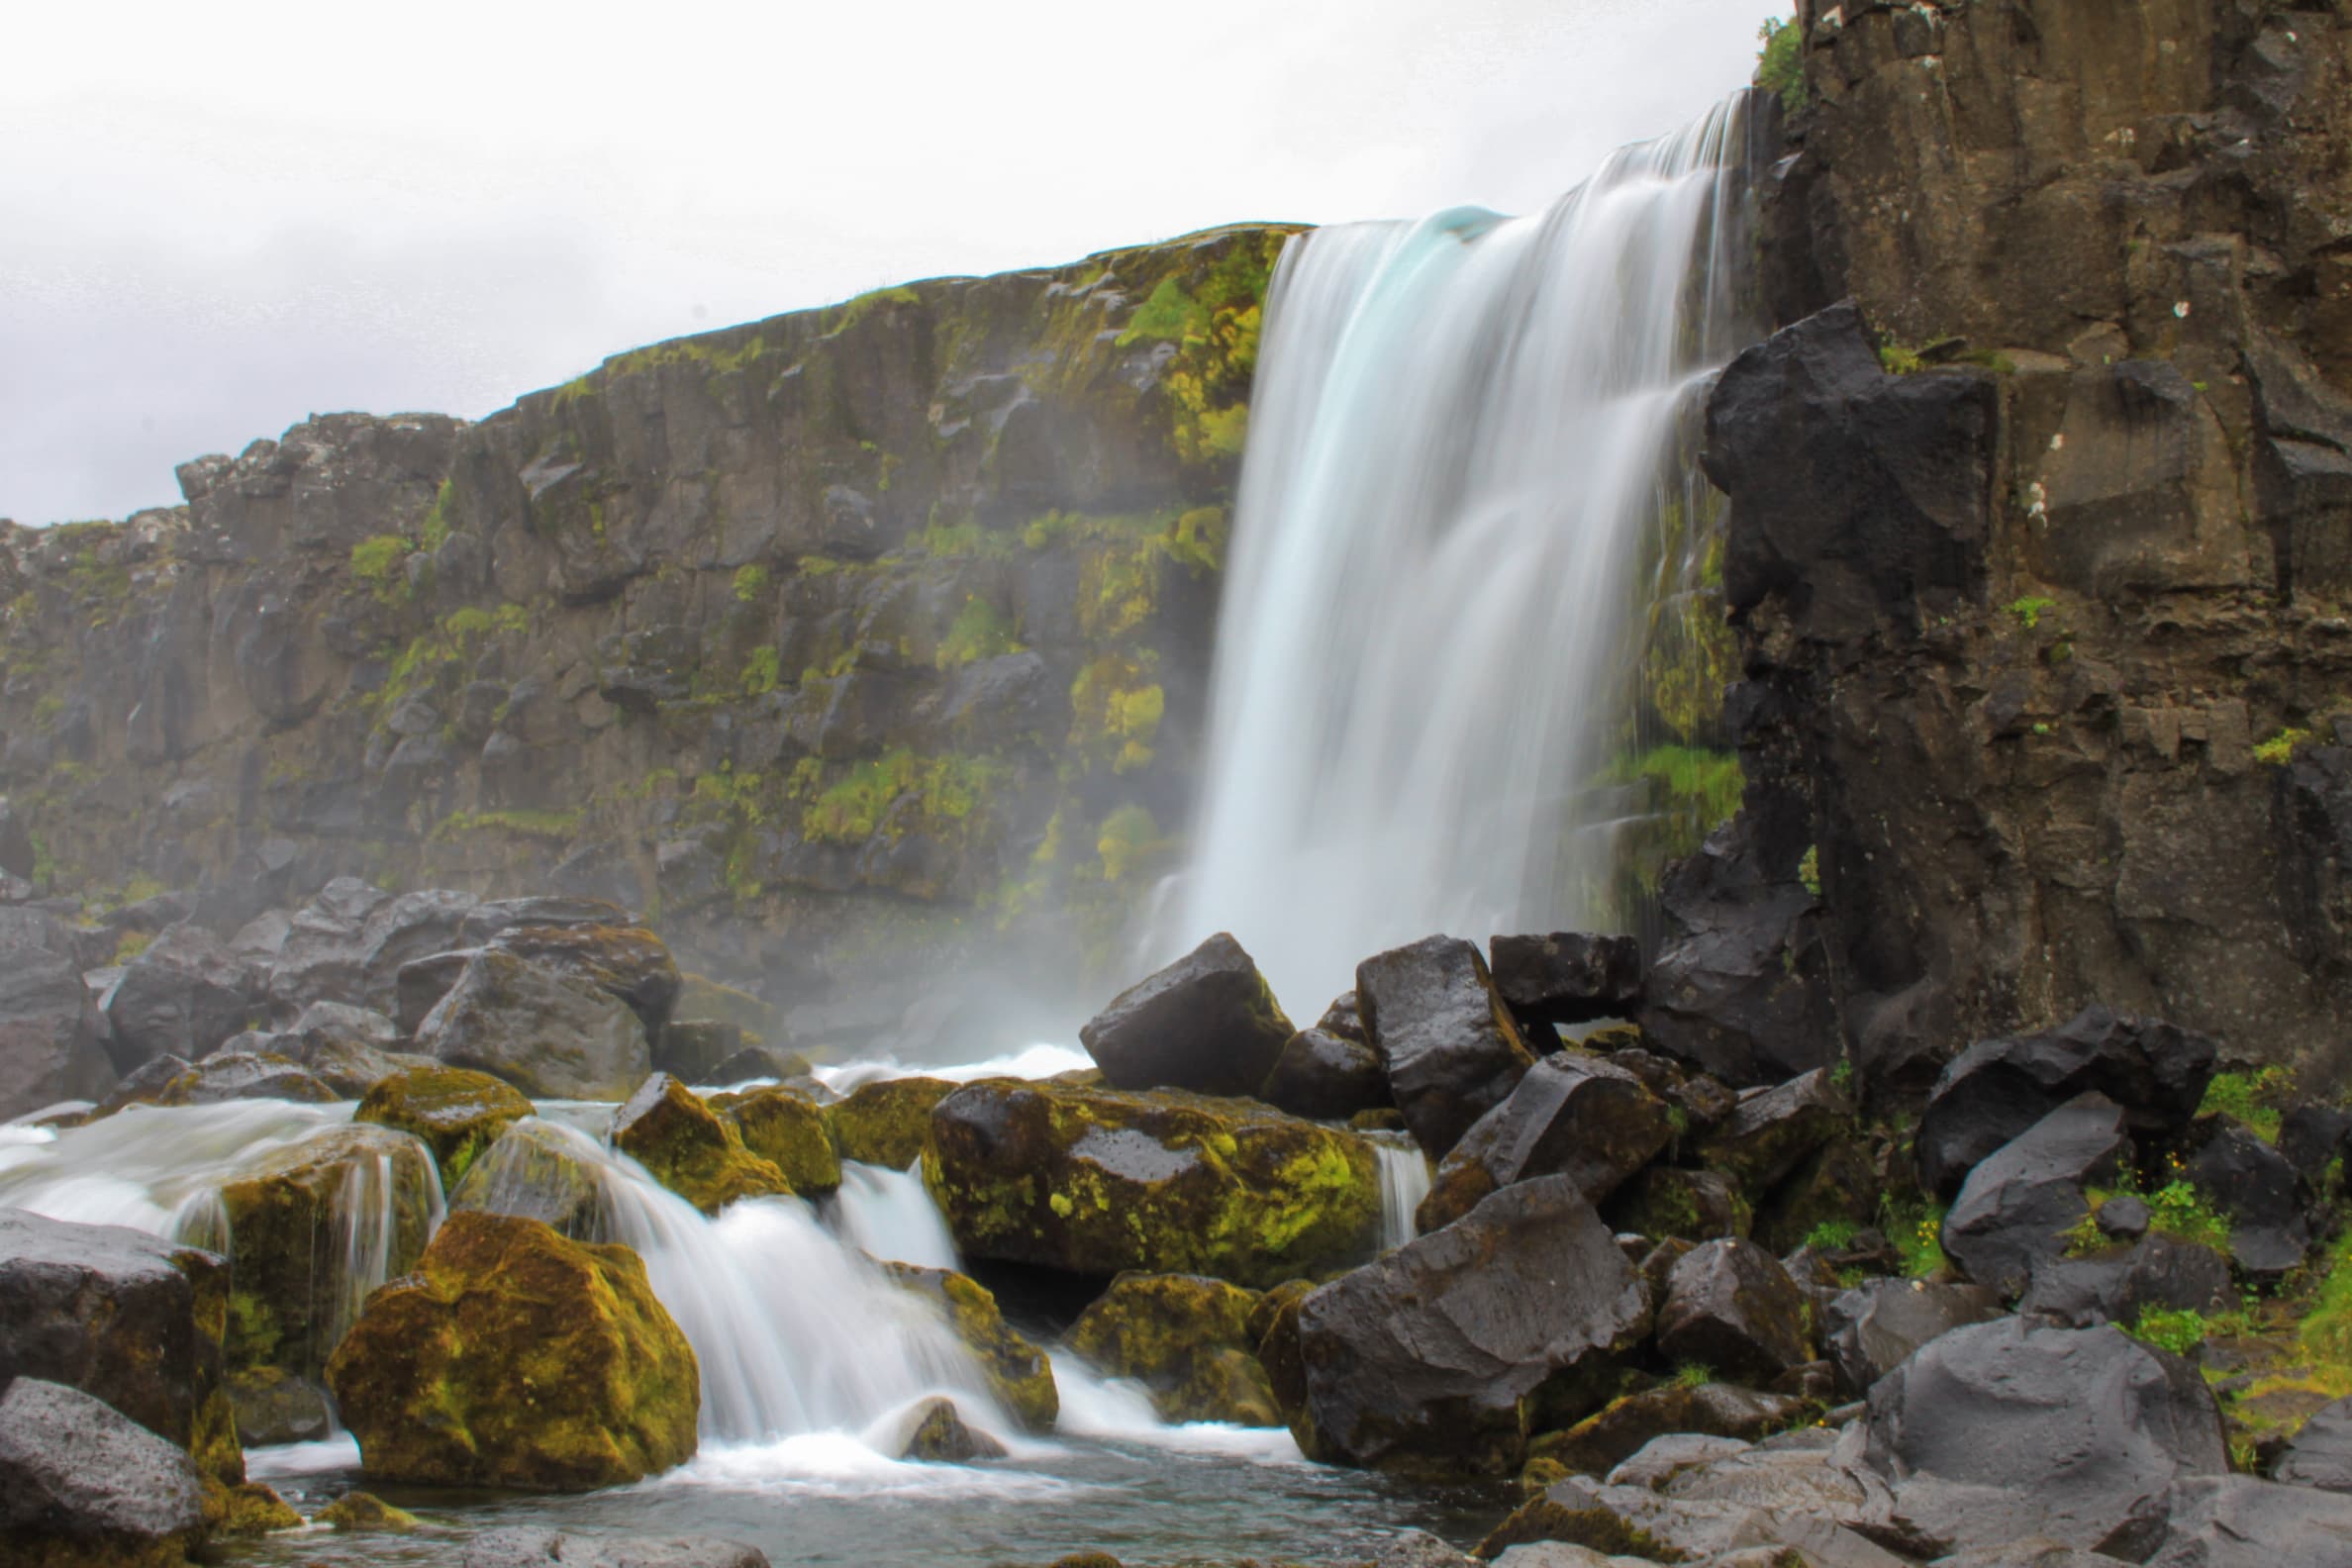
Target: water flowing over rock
[1206, 1022]
[1395, 724]
[1091, 1182]
[1187, 1339]
[789, 1131]
[1435, 1356]
[454, 1113]
[516, 1359]
[1019, 1372]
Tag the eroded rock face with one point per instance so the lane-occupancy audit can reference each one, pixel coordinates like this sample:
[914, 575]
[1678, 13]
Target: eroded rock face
[513, 1357]
[1449, 1043]
[1092, 1181]
[1435, 1357]
[1208, 1023]
[50, 1048]
[2006, 1431]
[545, 1031]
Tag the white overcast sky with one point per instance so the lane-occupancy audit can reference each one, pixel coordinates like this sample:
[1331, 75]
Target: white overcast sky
[218, 219]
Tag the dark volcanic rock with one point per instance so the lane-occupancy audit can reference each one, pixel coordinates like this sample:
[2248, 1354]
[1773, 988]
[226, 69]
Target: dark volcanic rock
[1434, 1356]
[1450, 1045]
[81, 1483]
[1731, 1306]
[245, 1075]
[1326, 1076]
[126, 1318]
[535, 1548]
[1668, 1200]
[182, 997]
[942, 1438]
[2309, 1137]
[1872, 1330]
[1998, 1088]
[1208, 1023]
[1607, 1438]
[547, 1033]
[1567, 977]
[349, 943]
[1573, 1115]
[2238, 1521]
[50, 1046]
[2322, 1453]
[2005, 1430]
[2016, 1207]
[2258, 1189]
[1773, 1131]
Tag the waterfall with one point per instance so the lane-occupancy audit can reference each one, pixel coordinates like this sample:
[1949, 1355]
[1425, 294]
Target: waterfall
[890, 1215]
[1404, 1183]
[1462, 431]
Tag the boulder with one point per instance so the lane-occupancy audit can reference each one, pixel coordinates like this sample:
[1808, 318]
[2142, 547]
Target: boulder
[1094, 1181]
[1208, 1023]
[535, 1548]
[2118, 1285]
[228, 1075]
[1018, 1373]
[513, 1357]
[1450, 1047]
[181, 996]
[1614, 1435]
[598, 944]
[2310, 1138]
[886, 1123]
[1441, 1354]
[454, 1113]
[2263, 1195]
[2005, 1430]
[1635, 1524]
[1572, 1114]
[2017, 1205]
[549, 1035]
[1839, 1185]
[50, 1048]
[144, 1085]
[1344, 1018]
[1186, 1338]
[349, 1048]
[1668, 1200]
[1326, 1077]
[1703, 1101]
[2239, 1521]
[789, 1131]
[538, 1170]
[126, 1318]
[761, 1061]
[82, 1484]
[1998, 1088]
[275, 1406]
[690, 1149]
[2322, 1453]
[348, 943]
[363, 1513]
[1771, 1132]
[690, 1050]
[1732, 1306]
[304, 1219]
[938, 1435]
[1567, 977]
[1873, 1328]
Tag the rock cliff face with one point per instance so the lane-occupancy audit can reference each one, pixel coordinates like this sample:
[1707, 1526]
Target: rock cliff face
[2041, 546]
[868, 634]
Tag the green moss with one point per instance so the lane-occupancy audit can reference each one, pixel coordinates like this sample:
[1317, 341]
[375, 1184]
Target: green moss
[1809, 870]
[2180, 1332]
[980, 630]
[553, 827]
[1914, 1228]
[749, 583]
[694, 1152]
[378, 562]
[2250, 1099]
[1899, 361]
[852, 808]
[132, 943]
[2028, 611]
[848, 315]
[761, 674]
[434, 532]
[2278, 749]
[1832, 1235]
[1129, 842]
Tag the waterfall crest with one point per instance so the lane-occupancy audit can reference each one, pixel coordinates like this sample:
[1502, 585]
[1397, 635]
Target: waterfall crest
[1461, 429]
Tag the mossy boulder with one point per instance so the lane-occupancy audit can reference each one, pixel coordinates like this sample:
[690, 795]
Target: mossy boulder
[456, 1113]
[248, 1509]
[364, 1512]
[245, 1075]
[536, 1170]
[1018, 1371]
[1669, 1201]
[291, 1216]
[886, 1123]
[1094, 1181]
[1186, 1338]
[1208, 1021]
[939, 1436]
[627, 962]
[515, 1358]
[690, 1148]
[273, 1406]
[789, 1129]
[1613, 1434]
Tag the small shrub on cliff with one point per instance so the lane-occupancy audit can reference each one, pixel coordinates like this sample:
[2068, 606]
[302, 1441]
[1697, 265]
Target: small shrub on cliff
[1780, 64]
[2176, 1332]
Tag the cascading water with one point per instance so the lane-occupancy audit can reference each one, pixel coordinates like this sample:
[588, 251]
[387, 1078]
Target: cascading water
[1404, 1183]
[888, 1214]
[1462, 430]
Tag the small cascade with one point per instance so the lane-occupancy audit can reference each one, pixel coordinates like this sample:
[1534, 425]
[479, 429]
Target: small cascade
[796, 1332]
[368, 1221]
[1404, 1183]
[890, 1217]
[1466, 435]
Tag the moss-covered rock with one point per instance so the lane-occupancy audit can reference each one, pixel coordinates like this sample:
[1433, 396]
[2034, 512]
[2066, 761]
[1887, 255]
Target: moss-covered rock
[1093, 1181]
[291, 1215]
[690, 1148]
[886, 1123]
[516, 1359]
[273, 1406]
[455, 1113]
[789, 1131]
[1018, 1373]
[1613, 1434]
[535, 1171]
[248, 1509]
[1187, 1339]
[939, 1436]
[1670, 1200]
[365, 1512]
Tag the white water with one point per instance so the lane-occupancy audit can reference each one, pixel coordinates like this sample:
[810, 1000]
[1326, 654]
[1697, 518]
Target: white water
[1458, 436]
[1404, 1183]
[888, 1214]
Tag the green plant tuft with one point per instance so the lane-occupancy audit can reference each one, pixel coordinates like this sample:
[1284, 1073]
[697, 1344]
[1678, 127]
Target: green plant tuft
[1780, 64]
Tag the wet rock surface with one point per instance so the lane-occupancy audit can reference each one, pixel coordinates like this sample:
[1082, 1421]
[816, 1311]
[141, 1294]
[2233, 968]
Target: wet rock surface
[1449, 1043]
[1208, 1023]
[79, 1481]
[1574, 1114]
